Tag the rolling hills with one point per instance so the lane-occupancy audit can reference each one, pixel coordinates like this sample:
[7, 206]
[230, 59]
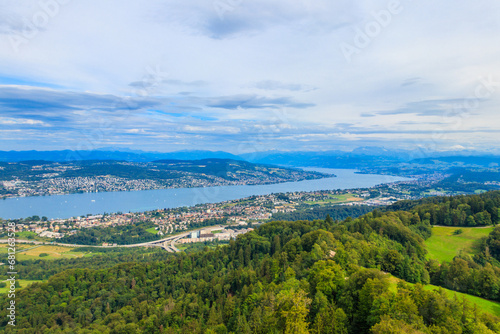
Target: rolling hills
[320, 276]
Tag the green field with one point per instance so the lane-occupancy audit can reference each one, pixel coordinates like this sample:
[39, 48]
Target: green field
[26, 235]
[484, 304]
[22, 282]
[152, 230]
[443, 245]
[54, 252]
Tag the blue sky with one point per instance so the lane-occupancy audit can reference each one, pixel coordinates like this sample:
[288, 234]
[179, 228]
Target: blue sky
[244, 76]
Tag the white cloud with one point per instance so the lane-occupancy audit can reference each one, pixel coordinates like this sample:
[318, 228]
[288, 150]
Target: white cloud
[15, 121]
[223, 75]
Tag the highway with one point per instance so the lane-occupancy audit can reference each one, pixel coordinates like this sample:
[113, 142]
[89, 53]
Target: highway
[167, 243]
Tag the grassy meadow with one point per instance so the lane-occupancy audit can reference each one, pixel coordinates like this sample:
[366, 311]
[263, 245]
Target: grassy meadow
[443, 245]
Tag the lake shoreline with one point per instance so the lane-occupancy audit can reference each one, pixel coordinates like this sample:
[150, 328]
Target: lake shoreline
[66, 206]
[175, 187]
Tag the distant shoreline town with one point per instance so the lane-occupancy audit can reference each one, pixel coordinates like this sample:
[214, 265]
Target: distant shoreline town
[38, 178]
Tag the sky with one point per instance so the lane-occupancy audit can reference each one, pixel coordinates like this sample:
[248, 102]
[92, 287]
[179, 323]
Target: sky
[244, 76]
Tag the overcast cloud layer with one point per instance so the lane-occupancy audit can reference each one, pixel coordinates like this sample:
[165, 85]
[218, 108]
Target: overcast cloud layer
[242, 76]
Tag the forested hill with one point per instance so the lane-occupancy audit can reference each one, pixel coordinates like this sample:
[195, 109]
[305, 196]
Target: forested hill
[35, 177]
[321, 276]
[157, 170]
[470, 210]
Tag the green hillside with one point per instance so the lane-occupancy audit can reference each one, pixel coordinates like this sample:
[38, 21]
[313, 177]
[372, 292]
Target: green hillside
[316, 276]
[484, 304]
[444, 245]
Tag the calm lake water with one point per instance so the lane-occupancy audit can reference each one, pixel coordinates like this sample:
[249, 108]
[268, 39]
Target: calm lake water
[66, 206]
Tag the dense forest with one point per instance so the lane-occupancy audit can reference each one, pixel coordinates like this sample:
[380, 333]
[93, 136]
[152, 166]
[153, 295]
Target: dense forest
[100, 258]
[337, 212]
[121, 235]
[321, 276]
[471, 210]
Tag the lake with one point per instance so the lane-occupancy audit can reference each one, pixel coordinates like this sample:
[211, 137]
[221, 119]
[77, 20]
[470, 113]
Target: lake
[66, 206]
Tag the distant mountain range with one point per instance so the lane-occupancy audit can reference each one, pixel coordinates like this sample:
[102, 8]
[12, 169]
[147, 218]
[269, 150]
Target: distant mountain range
[371, 156]
[358, 158]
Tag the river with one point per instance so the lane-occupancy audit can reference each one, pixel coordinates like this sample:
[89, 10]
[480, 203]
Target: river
[72, 205]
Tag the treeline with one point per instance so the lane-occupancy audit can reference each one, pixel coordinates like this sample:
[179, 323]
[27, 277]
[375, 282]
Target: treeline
[101, 258]
[463, 274]
[121, 235]
[337, 212]
[471, 210]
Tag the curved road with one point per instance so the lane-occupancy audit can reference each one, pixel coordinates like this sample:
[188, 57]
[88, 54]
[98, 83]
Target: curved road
[167, 243]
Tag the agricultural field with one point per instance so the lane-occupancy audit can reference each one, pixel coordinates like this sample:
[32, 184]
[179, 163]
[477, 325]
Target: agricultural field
[444, 245]
[32, 252]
